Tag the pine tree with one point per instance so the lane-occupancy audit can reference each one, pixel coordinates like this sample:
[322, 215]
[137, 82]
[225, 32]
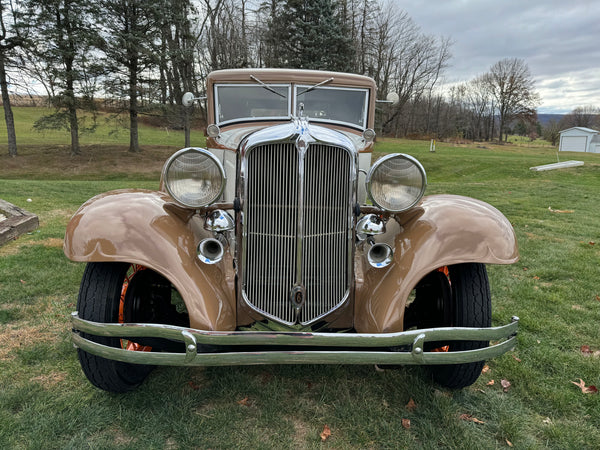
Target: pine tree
[309, 34]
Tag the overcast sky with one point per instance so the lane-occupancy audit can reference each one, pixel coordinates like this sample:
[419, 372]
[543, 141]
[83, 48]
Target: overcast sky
[559, 41]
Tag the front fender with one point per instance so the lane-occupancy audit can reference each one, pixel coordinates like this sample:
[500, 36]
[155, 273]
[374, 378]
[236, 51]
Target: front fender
[145, 227]
[443, 230]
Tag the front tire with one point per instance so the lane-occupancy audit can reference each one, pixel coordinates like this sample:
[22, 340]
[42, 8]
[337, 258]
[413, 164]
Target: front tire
[102, 298]
[457, 297]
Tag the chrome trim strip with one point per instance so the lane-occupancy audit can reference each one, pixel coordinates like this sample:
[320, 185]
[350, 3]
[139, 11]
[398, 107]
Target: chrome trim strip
[191, 337]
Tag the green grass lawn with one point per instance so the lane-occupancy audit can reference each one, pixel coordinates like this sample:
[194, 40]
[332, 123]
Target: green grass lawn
[111, 130]
[46, 402]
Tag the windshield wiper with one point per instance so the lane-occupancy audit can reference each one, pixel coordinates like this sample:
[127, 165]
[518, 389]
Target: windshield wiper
[328, 80]
[268, 88]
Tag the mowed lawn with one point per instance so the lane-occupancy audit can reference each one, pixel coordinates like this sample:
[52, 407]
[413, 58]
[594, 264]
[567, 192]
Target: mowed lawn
[525, 399]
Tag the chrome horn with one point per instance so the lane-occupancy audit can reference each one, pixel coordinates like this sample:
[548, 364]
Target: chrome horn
[380, 255]
[210, 251]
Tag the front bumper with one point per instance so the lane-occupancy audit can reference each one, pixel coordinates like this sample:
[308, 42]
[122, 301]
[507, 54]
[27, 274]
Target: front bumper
[413, 341]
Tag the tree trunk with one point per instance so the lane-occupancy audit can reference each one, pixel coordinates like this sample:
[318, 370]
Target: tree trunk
[8, 115]
[134, 146]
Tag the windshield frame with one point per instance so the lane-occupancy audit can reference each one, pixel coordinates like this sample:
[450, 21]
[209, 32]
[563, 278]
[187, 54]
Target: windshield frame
[292, 92]
[365, 112]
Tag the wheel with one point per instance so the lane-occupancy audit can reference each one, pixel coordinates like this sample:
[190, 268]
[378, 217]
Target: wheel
[123, 293]
[456, 296]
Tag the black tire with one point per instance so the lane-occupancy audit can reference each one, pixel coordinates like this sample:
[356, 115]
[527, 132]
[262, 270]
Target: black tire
[99, 300]
[472, 307]
[462, 300]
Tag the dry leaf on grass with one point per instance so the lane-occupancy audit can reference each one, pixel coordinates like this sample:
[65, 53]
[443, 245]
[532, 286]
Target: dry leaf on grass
[560, 211]
[325, 433]
[585, 389]
[411, 405]
[490, 383]
[505, 385]
[406, 423]
[515, 358]
[509, 443]
[193, 385]
[470, 418]
[244, 402]
[485, 369]
[586, 350]
[547, 420]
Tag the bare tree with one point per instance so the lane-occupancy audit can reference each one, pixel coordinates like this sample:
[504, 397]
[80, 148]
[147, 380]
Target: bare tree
[551, 132]
[583, 116]
[512, 86]
[418, 60]
[12, 37]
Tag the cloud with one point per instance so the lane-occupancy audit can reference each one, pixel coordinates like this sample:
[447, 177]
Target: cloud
[558, 40]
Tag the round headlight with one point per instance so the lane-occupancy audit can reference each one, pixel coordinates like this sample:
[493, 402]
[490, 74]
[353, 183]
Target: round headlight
[396, 182]
[194, 177]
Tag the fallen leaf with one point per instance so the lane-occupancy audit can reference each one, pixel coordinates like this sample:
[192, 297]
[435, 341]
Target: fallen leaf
[525, 269]
[470, 418]
[592, 243]
[585, 389]
[406, 423]
[576, 307]
[509, 443]
[515, 358]
[244, 402]
[505, 385]
[560, 211]
[193, 385]
[598, 297]
[411, 405]
[325, 433]
[586, 350]
[23, 282]
[490, 383]
[547, 420]
[485, 369]
[536, 277]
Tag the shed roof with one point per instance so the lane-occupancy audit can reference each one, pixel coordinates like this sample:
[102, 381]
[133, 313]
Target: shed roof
[583, 129]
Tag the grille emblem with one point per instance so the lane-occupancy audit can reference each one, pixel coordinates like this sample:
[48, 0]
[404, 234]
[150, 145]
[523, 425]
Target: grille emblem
[298, 296]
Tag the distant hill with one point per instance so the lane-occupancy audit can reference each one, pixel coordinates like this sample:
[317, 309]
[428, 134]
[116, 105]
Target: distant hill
[545, 118]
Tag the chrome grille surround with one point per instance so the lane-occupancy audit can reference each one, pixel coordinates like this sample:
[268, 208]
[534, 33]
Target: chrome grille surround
[298, 187]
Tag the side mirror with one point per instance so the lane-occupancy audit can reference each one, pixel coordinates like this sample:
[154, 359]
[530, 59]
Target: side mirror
[393, 98]
[188, 99]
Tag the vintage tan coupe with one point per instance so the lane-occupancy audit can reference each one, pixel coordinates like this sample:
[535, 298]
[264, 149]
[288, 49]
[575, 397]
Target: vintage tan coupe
[262, 248]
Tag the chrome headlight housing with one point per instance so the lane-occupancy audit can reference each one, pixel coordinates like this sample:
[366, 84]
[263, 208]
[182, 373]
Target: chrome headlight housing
[396, 182]
[194, 177]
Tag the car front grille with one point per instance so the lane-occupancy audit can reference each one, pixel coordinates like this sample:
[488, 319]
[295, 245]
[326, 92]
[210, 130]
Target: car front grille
[297, 230]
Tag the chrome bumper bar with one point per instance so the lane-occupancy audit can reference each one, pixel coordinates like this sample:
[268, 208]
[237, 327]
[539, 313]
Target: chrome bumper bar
[414, 340]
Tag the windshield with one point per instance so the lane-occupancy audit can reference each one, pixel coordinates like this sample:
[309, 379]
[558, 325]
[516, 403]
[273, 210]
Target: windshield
[246, 102]
[250, 101]
[333, 104]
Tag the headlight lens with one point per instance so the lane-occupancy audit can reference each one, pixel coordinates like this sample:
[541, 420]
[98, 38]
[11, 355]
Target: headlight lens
[194, 177]
[396, 182]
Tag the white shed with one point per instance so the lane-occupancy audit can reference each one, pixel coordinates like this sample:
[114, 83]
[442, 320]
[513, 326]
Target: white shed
[579, 139]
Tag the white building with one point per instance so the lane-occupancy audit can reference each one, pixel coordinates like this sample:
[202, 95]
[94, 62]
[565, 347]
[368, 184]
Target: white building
[579, 139]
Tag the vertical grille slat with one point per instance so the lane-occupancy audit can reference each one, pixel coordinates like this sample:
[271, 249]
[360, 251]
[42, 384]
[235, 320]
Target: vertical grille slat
[272, 211]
